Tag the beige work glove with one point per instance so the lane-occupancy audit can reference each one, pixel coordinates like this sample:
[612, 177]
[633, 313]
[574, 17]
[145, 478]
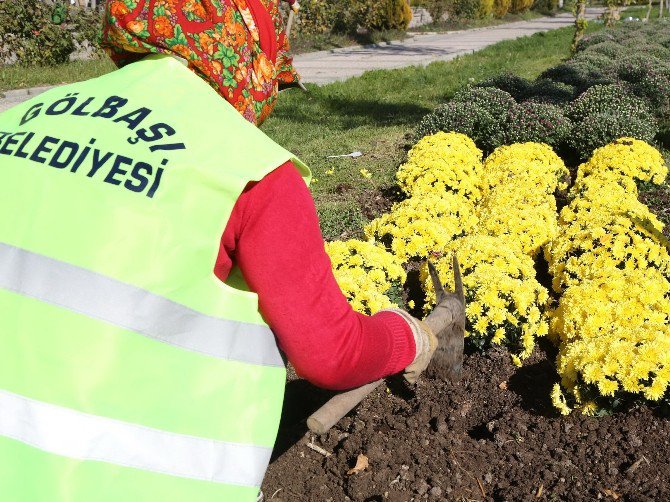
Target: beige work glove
[425, 342]
[442, 330]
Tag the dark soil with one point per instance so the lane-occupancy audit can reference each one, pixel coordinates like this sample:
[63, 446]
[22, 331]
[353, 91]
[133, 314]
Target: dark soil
[492, 436]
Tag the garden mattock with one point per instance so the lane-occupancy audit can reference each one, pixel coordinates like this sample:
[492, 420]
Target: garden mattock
[447, 321]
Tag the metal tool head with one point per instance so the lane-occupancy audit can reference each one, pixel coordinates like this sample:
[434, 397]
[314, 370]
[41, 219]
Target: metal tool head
[447, 321]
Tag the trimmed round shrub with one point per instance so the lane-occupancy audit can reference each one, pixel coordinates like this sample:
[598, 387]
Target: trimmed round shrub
[600, 129]
[654, 88]
[495, 101]
[602, 62]
[609, 48]
[548, 91]
[605, 99]
[478, 112]
[605, 113]
[501, 8]
[656, 50]
[579, 74]
[518, 87]
[636, 66]
[456, 117]
[485, 129]
[594, 39]
[537, 122]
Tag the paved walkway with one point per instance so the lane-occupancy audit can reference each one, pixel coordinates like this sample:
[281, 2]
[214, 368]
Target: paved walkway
[340, 64]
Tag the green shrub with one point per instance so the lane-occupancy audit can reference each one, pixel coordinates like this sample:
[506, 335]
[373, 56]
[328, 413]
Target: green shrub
[600, 62]
[52, 45]
[538, 122]
[605, 113]
[485, 9]
[545, 6]
[636, 66]
[316, 17]
[457, 117]
[479, 112]
[579, 74]
[29, 34]
[600, 129]
[548, 91]
[464, 9]
[519, 6]
[496, 101]
[518, 87]
[656, 50]
[436, 8]
[501, 8]
[609, 48]
[595, 39]
[485, 129]
[379, 15]
[654, 88]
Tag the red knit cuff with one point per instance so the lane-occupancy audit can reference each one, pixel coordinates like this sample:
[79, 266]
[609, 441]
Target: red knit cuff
[403, 348]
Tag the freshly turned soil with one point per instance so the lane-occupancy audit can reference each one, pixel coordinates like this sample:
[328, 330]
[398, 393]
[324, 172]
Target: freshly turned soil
[492, 436]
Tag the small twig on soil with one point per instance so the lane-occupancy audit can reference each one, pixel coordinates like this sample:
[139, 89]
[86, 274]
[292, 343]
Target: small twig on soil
[275, 493]
[539, 491]
[637, 464]
[458, 464]
[317, 449]
[396, 480]
[481, 487]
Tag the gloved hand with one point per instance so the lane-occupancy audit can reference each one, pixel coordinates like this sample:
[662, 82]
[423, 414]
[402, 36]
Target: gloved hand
[442, 331]
[425, 342]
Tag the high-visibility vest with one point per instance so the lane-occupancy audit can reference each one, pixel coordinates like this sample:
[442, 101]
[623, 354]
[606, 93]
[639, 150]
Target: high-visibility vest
[128, 371]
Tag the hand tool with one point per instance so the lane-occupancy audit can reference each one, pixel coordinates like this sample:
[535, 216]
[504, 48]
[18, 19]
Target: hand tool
[447, 321]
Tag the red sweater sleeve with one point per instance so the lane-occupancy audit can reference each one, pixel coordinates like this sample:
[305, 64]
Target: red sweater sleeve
[273, 236]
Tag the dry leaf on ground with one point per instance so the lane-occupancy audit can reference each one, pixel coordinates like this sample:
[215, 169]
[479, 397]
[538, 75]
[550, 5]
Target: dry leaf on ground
[361, 464]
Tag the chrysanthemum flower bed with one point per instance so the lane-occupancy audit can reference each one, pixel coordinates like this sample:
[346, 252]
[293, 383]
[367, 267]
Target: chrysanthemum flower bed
[495, 216]
[606, 252]
[369, 277]
[611, 263]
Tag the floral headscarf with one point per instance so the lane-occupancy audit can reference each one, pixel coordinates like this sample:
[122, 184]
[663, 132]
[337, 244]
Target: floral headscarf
[238, 46]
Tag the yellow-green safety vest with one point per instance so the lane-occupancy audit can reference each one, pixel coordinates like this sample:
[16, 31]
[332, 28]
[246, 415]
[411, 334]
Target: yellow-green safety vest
[128, 371]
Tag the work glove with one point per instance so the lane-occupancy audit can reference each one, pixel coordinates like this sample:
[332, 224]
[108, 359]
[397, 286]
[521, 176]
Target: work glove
[425, 342]
[442, 331]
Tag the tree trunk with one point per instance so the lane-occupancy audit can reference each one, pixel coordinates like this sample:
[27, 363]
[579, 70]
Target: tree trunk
[580, 23]
[646, 18]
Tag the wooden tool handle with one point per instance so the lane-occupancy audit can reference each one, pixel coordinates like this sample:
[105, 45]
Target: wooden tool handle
[330, 413]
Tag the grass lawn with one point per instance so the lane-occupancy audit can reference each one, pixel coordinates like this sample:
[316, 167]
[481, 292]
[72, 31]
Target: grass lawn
[18, 77]
[374, 112]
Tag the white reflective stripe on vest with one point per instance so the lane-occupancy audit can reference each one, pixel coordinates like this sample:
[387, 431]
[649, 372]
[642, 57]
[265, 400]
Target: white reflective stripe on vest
[82, 436]
[135, 309]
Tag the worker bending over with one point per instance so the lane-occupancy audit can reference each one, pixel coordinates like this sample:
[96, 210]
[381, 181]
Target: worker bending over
[157, 251]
